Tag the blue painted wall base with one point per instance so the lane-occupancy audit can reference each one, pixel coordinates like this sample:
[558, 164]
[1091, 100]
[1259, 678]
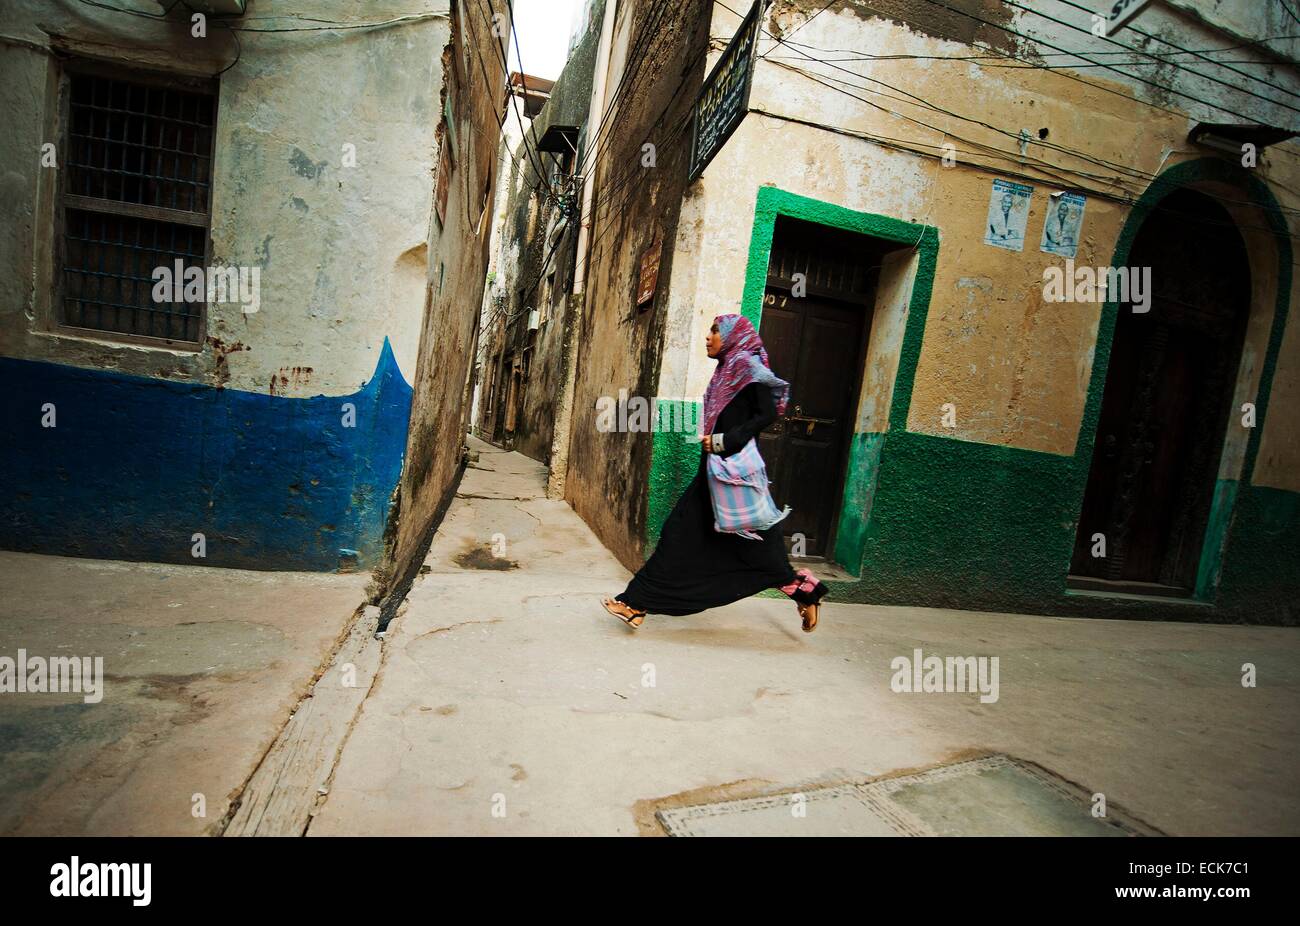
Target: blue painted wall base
[134, 467]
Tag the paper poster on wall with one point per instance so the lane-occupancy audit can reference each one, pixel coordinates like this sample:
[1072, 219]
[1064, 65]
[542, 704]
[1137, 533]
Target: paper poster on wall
[1063, 224]
[1008, 215]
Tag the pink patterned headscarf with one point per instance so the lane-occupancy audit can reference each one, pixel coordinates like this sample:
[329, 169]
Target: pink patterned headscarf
[742, 360]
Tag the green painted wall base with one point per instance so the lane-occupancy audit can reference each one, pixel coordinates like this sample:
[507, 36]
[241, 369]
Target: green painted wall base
[954, 524]
[860, 482]
[673, 464]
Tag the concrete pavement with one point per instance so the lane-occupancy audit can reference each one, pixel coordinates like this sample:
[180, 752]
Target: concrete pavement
[203, 667]
[508, 702]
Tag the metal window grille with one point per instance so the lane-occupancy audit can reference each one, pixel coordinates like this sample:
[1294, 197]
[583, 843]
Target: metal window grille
[136, 196]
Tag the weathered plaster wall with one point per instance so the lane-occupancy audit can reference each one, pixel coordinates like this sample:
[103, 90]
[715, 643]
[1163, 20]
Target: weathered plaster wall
[454, 283]
[535, 424]
[503, 266]
[618, 346]
[340, 250]
[539, 241]
[1278, 463]
[1016, 369]
[531, 219]
[994, 340]
[137, 466]
[993, 527]
[983, 515]
[885, 342]
[1261, 250]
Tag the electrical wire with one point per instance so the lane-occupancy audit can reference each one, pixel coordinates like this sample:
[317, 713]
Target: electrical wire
[667, 141]
[912, 99]
[534, 161]
[791, 33]
[923, 102]
[1133, 172]
[1047, 169]
[500, 118]
[499, 311]
[1061, 69]
[918, 149]
[532, 124]
[990, 151]
[1044, 167]
[332, 27]
[1112, 165]
[505, 62]
[140, 13]
[621, 181]
[929, 105]
[633, 59]
[606, 196]
[1125, 197]
[239, 48]
[1006, 55]
[501, 121]
[637, 54]
[501, 125]
[1256, 43]
[983, 60]
[344, 26]
[235, 29]
[1125, 74]
[1183, 67]
[1182, 50]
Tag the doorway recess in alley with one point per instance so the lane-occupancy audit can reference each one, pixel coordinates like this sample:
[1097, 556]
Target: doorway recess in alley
[817, 316]
[1166, 405]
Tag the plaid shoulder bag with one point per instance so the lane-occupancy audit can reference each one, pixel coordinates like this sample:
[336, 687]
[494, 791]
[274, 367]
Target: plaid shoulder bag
[742, 503]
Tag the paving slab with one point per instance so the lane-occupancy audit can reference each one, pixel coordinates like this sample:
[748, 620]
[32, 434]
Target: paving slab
[989, 796]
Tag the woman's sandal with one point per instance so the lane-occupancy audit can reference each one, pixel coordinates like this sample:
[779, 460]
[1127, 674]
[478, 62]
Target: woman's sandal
[627, 615]
[805, 583]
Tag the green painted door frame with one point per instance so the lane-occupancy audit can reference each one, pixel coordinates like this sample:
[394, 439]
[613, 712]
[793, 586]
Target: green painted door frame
[864, 448]
[676, 459]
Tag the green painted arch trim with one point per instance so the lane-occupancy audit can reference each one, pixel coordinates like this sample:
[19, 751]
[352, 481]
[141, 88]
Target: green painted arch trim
[1182, 176]
[1175, 178]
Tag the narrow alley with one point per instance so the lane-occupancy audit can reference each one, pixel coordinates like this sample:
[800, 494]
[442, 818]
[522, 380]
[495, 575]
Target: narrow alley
[687, 418]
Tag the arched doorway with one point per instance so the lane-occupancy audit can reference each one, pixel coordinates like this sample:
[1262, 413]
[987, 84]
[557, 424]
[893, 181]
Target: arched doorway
[1166, 404]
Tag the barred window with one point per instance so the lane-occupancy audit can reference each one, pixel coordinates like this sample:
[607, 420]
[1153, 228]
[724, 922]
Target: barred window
[136, 195]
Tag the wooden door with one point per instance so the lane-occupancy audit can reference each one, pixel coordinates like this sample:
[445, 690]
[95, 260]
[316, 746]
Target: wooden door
[1166, 404]
[815, 344]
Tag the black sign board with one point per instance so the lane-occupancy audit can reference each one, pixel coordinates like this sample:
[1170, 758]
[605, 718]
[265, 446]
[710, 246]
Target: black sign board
[724, 98]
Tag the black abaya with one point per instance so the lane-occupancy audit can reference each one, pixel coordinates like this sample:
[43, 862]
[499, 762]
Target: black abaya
[695, 567]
